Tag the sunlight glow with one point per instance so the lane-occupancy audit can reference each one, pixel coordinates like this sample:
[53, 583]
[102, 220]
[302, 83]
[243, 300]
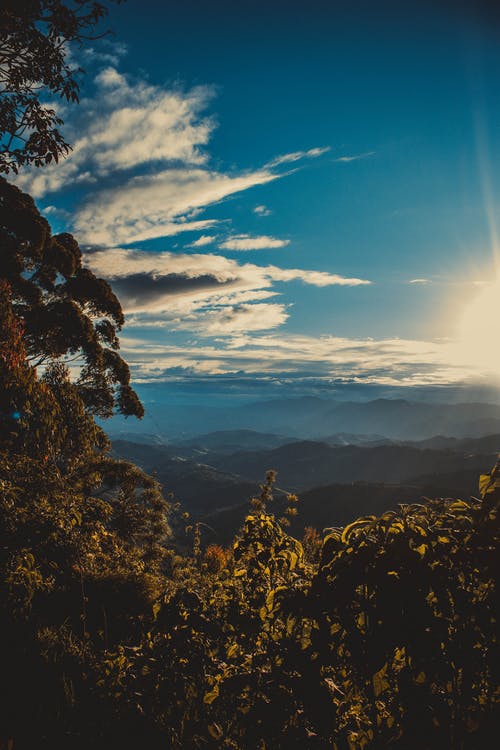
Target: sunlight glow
[478, 335]
[477, 344]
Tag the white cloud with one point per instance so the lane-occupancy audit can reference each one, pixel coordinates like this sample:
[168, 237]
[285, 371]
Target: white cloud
[388, 361]
[140, 151]
[158, 205]
[126, 125]
[108, 53]
[224, 320]
[312, 153]
[116, 263]
[205, 239]
[354, 157]
[420, 281]
[200, 292]
[316, 278]
[110, 78]
[184, 312]
[246, 242]
[262, 211]
[237, 319]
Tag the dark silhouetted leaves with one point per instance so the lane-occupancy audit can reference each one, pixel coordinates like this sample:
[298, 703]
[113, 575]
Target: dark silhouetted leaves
[34, 60]
[64, 308]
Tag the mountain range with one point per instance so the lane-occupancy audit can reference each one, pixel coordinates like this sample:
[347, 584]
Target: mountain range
[312, 418]
[216, 474]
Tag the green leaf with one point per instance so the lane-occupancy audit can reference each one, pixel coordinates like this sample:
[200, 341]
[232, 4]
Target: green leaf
[380, 681]
[421, 549]
[209, 697]
[215, 731]
[350, 528]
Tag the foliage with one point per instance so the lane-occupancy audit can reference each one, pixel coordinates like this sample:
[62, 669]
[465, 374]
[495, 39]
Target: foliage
[216, 558]
[63, 308]
[312, 542]
[389, 642]
[27, 408]
[82, 542]
[35, 37]
[382, 634]
[405, 621]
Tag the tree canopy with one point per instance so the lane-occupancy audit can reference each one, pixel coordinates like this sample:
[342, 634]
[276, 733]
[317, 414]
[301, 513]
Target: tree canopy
[82, 537]
[64, 308]
[34, 42]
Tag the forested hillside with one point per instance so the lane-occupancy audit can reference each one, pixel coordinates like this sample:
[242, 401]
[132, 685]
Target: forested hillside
[336, 483]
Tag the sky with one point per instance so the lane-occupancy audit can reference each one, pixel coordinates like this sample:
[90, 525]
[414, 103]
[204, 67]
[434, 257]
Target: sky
[289, 191]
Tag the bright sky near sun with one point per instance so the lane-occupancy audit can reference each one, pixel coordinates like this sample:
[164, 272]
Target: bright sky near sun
[291, 189]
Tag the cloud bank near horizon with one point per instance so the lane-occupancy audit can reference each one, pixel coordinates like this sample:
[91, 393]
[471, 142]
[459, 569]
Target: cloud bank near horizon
[388, 362]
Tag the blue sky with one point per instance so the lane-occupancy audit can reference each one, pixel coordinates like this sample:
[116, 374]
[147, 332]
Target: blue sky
[289, 190]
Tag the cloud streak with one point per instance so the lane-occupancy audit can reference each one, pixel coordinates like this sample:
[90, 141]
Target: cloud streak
[159, 205]
[204, 292]
[354, 157]
[203, 240]
[311, 153]
[246, 242]
[142, 149]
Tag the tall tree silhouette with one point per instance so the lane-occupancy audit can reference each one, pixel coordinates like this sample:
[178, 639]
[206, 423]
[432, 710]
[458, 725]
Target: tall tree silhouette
[64, 307]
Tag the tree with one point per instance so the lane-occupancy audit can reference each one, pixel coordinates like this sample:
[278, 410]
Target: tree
[64, 308]
[35, 36]
[28, 410]
[82, 539]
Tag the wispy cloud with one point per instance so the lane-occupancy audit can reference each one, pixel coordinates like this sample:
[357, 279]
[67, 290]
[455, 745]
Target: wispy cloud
[311, 153]
[354, 157]
[316, 278]
[262, 211]
[246, 242]
[128, 125]
[159, 205]
[179, 312]
[110, 52]
[141, 152]
[420, 281]
[243, 318]
[204, 240]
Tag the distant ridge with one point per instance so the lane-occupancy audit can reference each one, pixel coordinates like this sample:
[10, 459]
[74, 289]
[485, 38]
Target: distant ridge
[229, 441]
[305, 464]
[314, 418]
